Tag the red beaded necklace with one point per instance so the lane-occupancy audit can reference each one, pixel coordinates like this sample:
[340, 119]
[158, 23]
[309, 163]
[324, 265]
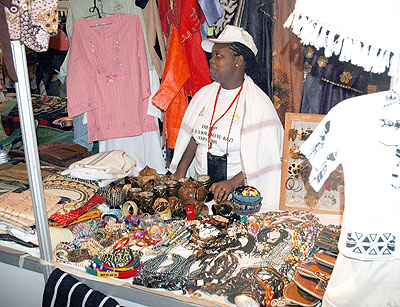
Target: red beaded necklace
[212, 125]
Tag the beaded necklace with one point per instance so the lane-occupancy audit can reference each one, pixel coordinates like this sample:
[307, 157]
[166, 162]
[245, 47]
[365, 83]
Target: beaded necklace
[211, 126]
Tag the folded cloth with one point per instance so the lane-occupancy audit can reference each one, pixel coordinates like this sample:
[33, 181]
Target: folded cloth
[105, 167]
[11, 238]
[23, 233]
[10, 172]
[17, 207]
[62, 153]
[62, 289]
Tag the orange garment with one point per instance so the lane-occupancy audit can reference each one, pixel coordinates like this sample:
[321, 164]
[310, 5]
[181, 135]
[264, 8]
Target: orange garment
[171, 96]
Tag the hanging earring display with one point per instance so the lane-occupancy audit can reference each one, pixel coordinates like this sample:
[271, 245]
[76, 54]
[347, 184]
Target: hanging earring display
[295, 188]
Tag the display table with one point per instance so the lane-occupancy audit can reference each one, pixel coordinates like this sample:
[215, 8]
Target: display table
[27, 272]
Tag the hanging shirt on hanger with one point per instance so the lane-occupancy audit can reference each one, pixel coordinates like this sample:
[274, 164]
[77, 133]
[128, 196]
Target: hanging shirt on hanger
[109, 77]
[80, 8]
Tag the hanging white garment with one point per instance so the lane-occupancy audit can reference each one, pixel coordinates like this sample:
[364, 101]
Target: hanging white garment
[146, 148]
[358, 31]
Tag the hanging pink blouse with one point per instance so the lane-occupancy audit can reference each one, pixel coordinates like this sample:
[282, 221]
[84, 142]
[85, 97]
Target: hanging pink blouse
[108, 77]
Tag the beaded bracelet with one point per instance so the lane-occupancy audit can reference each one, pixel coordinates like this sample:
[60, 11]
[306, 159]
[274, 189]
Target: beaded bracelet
[84, 235]
[151, 239]
[78, 255]
[79, 228]
[61, 252]
[121, 244]
[119, 258]
[134, 263]
[99, 236]
[75, 243]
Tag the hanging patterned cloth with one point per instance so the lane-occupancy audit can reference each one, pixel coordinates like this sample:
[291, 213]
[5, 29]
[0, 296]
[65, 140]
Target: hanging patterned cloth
[31, 21]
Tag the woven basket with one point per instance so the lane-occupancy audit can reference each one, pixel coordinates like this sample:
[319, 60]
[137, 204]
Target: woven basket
[245, 204]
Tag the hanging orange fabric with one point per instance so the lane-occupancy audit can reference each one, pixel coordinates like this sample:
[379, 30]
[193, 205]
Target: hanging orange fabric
[171, 96]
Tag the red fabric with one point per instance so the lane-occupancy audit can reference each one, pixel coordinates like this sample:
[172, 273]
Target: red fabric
[60, 41]
[171, 96]
[187, 16]
[66, 219]
[12, 123]
[198, 65]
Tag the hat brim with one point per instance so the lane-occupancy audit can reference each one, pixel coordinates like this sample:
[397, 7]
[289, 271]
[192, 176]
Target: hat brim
[208, 44]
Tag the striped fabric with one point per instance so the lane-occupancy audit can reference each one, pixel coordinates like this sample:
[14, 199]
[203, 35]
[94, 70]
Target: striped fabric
[62, 289]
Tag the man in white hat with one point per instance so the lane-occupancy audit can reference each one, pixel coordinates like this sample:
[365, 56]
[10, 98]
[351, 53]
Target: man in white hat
[231, 130]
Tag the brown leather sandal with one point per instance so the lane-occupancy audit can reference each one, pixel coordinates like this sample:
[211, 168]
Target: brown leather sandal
[298, 297]
[313, 269]
[314, 287]
[325, 258]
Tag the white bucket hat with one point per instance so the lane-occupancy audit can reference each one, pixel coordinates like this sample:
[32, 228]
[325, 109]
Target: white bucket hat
[231, 34]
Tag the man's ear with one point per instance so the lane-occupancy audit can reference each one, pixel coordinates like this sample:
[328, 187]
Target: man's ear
[239, 60]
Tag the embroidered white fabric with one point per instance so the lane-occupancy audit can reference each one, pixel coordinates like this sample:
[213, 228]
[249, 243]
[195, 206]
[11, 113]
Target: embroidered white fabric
[358, 31]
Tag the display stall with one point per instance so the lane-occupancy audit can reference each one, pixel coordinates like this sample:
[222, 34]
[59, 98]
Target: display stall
[101, 225]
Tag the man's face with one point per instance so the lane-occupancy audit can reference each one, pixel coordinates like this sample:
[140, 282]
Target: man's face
[222, 63]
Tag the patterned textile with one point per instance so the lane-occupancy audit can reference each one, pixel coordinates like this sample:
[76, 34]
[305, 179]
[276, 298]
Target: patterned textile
[80, 8]
[32, 22]
[371, 172]
[108, 77]
[68, 218]
[10, 172]
[12, 123]
[5, 40]
[327, 81]
[187, 16]
[228, 15]
[287, 63]
[76, 191]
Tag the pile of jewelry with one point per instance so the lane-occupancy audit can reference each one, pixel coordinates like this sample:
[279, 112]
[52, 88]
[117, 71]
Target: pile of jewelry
[172, 243]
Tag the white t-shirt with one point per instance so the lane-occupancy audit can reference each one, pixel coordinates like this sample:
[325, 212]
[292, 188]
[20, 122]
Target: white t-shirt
[363, 134]
[219, 137]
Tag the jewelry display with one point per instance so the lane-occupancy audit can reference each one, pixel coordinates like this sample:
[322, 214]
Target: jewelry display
[268, 239]
[262, 284]
[296, 193]
[242, 255]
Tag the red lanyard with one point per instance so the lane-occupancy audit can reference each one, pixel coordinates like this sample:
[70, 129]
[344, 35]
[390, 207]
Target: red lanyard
[212, 117]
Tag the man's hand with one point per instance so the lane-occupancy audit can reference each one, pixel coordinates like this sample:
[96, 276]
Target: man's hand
[221, 190]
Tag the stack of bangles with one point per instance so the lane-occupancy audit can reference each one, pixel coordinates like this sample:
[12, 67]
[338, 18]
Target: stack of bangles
[97, 267]
[137, 238]
[294, 184]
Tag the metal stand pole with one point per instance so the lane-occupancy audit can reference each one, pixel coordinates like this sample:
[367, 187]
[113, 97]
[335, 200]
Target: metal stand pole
[31, 153]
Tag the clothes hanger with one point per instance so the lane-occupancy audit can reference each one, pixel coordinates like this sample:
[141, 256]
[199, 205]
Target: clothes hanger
[99, 11]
